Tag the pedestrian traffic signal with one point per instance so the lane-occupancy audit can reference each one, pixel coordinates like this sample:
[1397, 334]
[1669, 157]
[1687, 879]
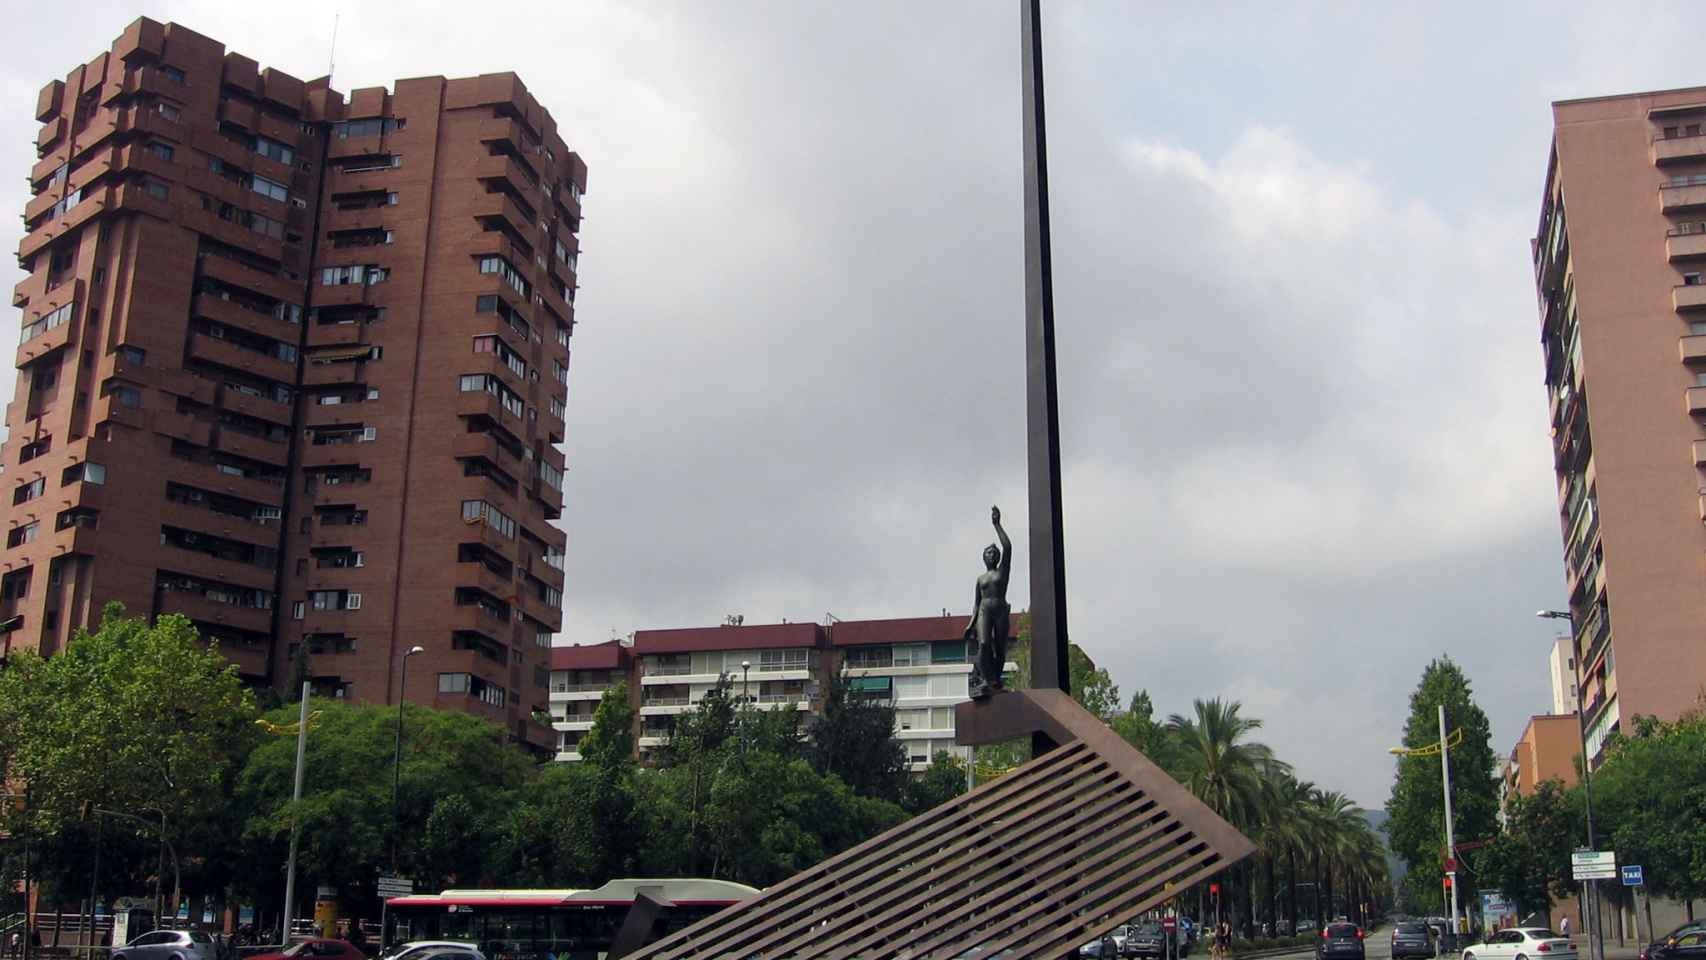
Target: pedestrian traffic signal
[1448, 882]
[1214, 888]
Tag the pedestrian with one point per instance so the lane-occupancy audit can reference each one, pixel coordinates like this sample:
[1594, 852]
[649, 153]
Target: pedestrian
[1564, 927]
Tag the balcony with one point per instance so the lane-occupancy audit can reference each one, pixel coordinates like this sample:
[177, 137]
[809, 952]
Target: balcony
[506, 168]
[182, 426]
[237, 274]
[197, 607]
[263, 408]
[342, 373]
[209, 567]
[334, 455]
[1678, 149]
[1689, 296]
[575, 722]
[1682, 199]
[255, 448]
[1685, 246]
[364, 218]
[226, 354]
[214, 307]
[337, 335]
[1696, 397]
[486, 446]
[342, 295]
[1692, 349]
[500, 206]
[250, 659]
[664, 706]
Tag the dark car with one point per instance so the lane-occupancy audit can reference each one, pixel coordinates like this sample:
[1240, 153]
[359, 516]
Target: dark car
[1687, 942]
[1145, 940]
[1412, 939]
[1340, 941]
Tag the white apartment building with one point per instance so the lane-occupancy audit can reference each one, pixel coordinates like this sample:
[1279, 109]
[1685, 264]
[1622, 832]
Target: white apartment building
[772, 665]
[922, 664]
[579, 677]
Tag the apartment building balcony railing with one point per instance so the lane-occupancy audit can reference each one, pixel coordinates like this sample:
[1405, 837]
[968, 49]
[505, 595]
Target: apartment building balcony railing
[579, 687]
[669, 670]
[1678, 149]
[1689, 296]
[667, 701]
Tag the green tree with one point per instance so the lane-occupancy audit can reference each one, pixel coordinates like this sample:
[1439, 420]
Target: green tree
[1530, 861]
[1416, 807]
[1650, 802]
[345, 815]
[853, 740]
[610, 742]
[942, 781]
[137, 718]
[1092, 686]
[1136, 724]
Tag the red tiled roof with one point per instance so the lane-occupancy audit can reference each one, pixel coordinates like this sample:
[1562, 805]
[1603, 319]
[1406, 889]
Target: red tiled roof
[597, 656]
[857, 633]
[756, 637]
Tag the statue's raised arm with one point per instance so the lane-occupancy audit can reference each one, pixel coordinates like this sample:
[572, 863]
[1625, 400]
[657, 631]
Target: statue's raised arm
[1006, 547]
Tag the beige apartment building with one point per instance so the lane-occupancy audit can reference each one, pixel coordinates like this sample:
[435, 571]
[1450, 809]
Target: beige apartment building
[1619, 260]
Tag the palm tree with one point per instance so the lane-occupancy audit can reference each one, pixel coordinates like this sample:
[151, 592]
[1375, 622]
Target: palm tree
[1224, 769]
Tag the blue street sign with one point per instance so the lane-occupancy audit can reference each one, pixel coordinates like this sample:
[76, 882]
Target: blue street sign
[1632, 875]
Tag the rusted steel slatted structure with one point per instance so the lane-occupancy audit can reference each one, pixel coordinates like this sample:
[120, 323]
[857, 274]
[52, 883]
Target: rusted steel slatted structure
[1055, 853]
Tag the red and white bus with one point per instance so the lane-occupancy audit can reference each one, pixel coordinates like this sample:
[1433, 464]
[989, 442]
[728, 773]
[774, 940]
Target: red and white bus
[554, 924]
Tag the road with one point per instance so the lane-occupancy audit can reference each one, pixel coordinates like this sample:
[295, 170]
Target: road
[1378, 946]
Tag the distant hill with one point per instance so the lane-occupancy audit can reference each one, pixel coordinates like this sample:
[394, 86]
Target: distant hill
[1377, 821]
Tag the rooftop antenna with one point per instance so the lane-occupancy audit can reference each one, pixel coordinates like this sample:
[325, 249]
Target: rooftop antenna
[332, 56]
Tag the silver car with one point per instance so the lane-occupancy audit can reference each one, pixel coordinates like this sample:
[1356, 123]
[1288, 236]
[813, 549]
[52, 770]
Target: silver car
[169, 945]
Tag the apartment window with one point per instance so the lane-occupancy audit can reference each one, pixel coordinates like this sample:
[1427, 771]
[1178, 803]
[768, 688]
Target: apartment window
[29, 491]
[274, 150]
[134, 356]
[354, 274]
[557, 408]
[453, 683]
[562, 336]
[18, 536]
[171, 73]
[511, 276]
[16, 584]
[1691, 279]
[167, 110]
[83, 472]
[161, 150]
[551, 475]
[865, 657]
[369, 163]
[371, 127]
[560, 372]
[511, 359]
[473, 382]
[1700, 379]
[871, 688]
[479, 511]
[298, 610]
[48, 321]
[30, 451]
[155, 188]
[269, 188]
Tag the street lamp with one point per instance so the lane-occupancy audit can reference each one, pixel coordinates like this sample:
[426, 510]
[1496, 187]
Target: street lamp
[745, 665]
[1443, 748]
[397, 762]
[1587, 775]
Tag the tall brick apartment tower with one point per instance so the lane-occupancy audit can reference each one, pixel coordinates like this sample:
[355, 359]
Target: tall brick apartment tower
[1620, 269]
[296, 368]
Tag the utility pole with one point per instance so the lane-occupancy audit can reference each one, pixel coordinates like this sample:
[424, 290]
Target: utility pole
[1450, 843]
[295, 825]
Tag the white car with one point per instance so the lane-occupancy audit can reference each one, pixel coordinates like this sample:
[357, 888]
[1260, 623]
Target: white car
[426, 949]
[169, 945]
[1522, 943]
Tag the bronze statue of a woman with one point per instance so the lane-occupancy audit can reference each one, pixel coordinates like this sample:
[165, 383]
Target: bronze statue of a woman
[990, 614]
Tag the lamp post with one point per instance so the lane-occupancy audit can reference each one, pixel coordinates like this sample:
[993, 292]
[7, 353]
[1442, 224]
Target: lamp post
[1443, 748]
[397, 761]
[745, 665]
[1597, 944]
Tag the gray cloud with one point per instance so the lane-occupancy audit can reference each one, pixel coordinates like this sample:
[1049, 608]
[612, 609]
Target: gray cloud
[1304, 430]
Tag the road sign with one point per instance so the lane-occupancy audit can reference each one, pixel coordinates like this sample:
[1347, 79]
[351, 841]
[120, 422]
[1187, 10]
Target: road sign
[395, 886]
[1632, 875]
[1169, 923]
[1594, 865]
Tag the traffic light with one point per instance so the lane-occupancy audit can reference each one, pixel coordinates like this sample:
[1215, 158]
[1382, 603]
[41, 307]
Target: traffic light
[1214, 888]
[1448, 882]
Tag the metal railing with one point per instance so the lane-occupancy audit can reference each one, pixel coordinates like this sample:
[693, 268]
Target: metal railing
[669, 670]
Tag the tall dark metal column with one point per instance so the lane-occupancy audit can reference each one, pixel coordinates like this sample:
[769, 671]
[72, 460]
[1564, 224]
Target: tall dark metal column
[1042, 408]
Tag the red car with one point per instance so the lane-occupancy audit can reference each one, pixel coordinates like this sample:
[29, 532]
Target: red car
[315, 950]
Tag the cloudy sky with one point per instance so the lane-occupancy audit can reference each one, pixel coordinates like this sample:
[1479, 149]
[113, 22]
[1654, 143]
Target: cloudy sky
[1304, 436]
